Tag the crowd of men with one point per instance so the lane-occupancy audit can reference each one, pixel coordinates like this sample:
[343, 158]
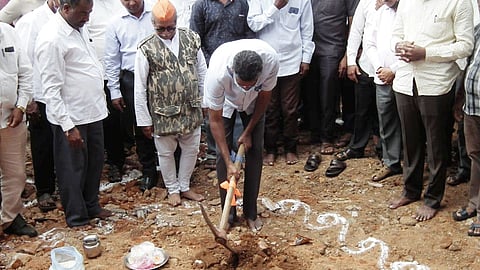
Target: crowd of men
[95, 77]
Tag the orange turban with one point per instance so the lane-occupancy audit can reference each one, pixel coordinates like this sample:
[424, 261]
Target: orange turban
[163, 10]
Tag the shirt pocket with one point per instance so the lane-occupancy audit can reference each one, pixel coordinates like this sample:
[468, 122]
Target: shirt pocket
[292, 18]
[10, 60]
[438, 28]
[239, 24]
[168, 111]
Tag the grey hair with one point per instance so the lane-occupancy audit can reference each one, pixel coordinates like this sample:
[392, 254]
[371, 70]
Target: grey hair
[247, 65]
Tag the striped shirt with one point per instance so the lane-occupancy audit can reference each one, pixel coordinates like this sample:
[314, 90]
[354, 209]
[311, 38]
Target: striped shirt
[472, 79]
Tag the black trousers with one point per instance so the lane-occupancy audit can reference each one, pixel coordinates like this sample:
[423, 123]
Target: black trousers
[366, 116]
[322, 95]
[253, 165]
[114, 134]
[145, 146]
[41, 143]
[79, 171]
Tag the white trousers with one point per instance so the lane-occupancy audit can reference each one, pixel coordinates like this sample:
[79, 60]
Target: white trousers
[166, 145]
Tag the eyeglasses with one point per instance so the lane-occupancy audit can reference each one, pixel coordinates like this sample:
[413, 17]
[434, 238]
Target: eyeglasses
[162, 29]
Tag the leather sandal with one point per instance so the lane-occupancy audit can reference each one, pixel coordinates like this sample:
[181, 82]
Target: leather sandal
[348, 154]
[336, 167]
[312, 162]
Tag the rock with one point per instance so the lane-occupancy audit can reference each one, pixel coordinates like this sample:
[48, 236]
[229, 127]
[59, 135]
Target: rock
[212, 175]
[18, 260]
[445, 243]
[257, 260]
[30, 248]
[455, 246]
[198, 264]
[409, 221]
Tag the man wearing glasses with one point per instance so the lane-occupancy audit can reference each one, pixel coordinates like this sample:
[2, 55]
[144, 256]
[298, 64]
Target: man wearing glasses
[169, 73]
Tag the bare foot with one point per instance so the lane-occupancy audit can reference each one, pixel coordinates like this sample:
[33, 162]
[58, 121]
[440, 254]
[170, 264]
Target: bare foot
[174, 199]
[425, 213]
[291, 158]
[269, 160]
[401, 202]
[255, 225]
[192, 196]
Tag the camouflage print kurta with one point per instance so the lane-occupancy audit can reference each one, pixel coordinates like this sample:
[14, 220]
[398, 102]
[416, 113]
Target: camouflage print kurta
[172, 84]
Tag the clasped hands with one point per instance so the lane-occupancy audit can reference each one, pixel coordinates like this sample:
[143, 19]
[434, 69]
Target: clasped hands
[408, 52]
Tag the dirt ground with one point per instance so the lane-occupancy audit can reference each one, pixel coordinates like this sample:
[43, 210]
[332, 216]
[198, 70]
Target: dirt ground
[344, 221]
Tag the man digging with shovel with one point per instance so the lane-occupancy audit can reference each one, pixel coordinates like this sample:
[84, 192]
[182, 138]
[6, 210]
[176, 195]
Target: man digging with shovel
[239, 79]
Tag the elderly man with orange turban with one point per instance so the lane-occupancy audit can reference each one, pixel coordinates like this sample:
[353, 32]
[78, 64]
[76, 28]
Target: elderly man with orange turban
[169, 73]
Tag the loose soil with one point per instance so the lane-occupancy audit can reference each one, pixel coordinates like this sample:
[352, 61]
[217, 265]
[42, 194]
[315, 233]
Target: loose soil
[310, 222]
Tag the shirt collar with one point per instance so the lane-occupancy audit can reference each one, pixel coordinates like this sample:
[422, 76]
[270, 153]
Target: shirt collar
[147, 8]
[66, 28]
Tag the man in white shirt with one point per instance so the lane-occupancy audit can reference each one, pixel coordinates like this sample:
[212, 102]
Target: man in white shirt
[72, 81]
[288, 27]
[41, 137]
[184, 11]
[432, 57]
[15, 93]
[239, 79]
[385, 63]
[169, 74]
[366, 119]
[122, 37]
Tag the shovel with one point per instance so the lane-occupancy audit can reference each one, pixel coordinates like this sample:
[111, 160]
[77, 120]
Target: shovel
[221, 233]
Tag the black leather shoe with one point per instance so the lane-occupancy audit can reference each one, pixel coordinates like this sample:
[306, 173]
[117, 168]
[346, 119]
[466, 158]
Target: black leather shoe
[114, 174]
[348, 154]
[456, 180]
[20, 227]
[147, 183]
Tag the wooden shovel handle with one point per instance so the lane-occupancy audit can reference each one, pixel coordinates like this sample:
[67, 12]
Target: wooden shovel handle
[227, 206]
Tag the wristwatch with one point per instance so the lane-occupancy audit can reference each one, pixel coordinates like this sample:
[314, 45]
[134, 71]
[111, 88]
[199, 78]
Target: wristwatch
[21, 108]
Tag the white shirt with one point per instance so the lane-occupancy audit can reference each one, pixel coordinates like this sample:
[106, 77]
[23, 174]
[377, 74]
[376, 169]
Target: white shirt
[15, 74]
[102, 14]
[377, 42]
[14, 9]
[122, 37]
[184, 11]
[361, 23]
[445, 29]
[221, 91]
[288, 30]
[72, 76]
[144, 119]
[28, 27]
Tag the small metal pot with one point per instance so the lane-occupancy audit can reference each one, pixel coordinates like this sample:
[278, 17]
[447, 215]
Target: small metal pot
[91, 246]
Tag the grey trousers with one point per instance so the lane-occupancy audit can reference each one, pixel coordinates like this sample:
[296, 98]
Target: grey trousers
[390, 129]
[472, 129]
[425, 130]
[79, 172]
[253, 166]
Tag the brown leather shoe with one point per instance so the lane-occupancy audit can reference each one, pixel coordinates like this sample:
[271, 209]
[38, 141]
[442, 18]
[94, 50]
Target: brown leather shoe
[383, 173]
